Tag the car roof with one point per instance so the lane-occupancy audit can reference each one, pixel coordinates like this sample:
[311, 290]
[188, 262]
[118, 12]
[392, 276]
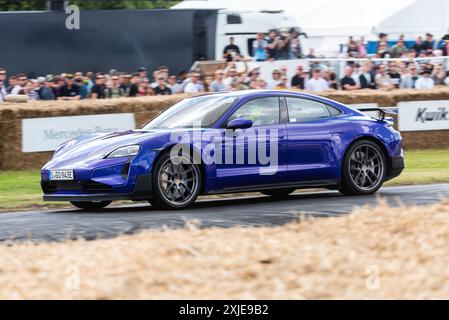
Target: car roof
[265, 92]
[262, 92]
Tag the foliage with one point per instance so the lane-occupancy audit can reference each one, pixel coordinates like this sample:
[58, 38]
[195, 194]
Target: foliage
[26, 5]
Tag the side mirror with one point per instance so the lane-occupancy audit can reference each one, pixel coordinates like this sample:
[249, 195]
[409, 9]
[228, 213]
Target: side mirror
[239, 123]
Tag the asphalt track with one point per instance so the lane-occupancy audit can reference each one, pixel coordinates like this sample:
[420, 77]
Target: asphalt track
[58, 225]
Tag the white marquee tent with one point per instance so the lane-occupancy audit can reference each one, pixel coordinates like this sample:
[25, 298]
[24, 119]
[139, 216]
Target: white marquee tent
[329, 22]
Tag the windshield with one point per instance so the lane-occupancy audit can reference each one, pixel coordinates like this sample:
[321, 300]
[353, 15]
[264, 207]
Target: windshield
[199, 111]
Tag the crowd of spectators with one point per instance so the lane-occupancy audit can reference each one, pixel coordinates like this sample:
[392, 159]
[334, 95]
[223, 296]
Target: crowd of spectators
[402, 70]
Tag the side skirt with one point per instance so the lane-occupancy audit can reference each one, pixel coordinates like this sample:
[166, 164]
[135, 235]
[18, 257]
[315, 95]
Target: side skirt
[329, 184]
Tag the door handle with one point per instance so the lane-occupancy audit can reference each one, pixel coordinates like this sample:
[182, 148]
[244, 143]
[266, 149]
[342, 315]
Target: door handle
[336, 132]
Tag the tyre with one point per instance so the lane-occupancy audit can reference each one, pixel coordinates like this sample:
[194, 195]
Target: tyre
[364, 169]
[278, 193]
[176, 182]
[90, 205]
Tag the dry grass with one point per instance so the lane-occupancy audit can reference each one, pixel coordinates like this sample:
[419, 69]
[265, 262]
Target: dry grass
[406, 247]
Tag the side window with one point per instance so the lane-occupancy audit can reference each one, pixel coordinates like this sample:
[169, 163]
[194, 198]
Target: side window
[234, 19]
[263, 111]
[333, 111]
[305, 110]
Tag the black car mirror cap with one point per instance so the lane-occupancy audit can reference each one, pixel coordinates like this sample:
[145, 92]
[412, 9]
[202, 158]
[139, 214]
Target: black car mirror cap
[239, 123]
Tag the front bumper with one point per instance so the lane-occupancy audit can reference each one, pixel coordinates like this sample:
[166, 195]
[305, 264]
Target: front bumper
[91, 191]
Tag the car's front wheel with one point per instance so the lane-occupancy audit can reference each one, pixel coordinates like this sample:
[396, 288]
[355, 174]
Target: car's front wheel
[176, 182]
[364, 169]
[90, 205]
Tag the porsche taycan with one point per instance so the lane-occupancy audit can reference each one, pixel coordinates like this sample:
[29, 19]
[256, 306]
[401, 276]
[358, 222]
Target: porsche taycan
[272, 142]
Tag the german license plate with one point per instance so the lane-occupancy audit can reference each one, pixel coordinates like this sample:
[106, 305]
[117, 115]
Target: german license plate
[61, 174]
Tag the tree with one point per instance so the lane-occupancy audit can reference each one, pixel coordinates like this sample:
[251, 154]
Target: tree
[25, 5]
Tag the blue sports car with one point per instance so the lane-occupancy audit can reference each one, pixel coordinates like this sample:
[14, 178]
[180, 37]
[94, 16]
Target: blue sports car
[268, 141]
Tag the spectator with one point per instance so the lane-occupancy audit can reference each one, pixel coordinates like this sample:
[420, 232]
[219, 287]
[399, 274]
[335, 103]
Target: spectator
[143, 74]
[418, 46]
[218, 85]
[162, 89]
[272, 45]
[237, 85]
[3, 77]
[252, 76]
[45, 91]
[113, 88]
[438, 75]
[89, 81]
[282, 85]
[231, 50]
[125, 83]
[144, 88]
[428, 43]
[69, 91]
[261, 83]
[155, 74]
[19, 87]
[275, 80]
[194, 86]
[356, 73]
[446, 81]
[353, 50]
[30, 91]
[409, 80]
[133, 89]
[382, 79]
[284, 70]
[399, 49]
[207, 82]
[174, 85]
[283, 45]
[333, 82]
[56, 82]
[316, 83]
[383, 51]
[3, 85]
[394, 75]
[295, 51]
[232, 74]
[347, 82]
[13, 81]
[79, 80]
[425, 81]
[260, 46]
[444, 44]
[362, 47]
[311, 54]
[164, 71]
[99, 89]
[298, 80]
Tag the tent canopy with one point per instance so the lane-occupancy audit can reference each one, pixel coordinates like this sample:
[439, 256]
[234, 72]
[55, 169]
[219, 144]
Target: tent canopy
[348, 17]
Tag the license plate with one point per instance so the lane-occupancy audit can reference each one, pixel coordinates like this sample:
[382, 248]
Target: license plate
[61, 175]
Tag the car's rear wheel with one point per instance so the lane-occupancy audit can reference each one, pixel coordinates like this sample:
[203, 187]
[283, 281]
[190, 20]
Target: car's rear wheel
[90, 205]
[278, 193]
[364, 169]
[176, 182]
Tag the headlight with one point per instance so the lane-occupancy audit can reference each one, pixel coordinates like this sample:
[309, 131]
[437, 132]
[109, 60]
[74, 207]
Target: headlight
[126, 151]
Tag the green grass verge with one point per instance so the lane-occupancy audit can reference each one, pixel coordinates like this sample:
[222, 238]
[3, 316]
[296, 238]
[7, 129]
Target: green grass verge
[424, 166]
[21, 189]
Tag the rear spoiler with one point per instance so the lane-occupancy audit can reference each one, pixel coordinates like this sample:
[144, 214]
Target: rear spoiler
[382, 112]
